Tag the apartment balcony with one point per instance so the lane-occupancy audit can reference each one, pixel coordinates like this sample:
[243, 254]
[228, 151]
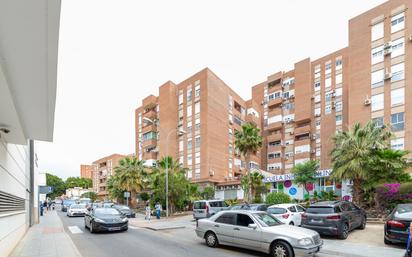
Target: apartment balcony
[149, 143]
[238, 171]
[252, 119]
[304, 155]
[275, 112]
[275, 102]
[305, 141]
[274, 137]
[149, 127]
[275, 160]
[274, 86]
[274, 126]
[302, 130]
[152, 155]
[275, 148]
[152, 114]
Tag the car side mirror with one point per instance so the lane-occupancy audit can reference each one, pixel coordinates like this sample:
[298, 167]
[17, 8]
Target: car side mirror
[252, 226]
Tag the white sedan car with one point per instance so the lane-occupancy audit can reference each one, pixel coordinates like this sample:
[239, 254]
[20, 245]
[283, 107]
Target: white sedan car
[77, 210]
[259, 231]
[290, 214]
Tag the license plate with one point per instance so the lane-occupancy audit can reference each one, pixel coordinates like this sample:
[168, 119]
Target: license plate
[114, 228]
[317, 221]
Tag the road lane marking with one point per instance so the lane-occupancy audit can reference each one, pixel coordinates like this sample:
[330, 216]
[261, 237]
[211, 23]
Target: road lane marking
[75, 229]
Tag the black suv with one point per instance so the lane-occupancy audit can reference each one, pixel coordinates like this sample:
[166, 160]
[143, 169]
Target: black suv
[334, 218]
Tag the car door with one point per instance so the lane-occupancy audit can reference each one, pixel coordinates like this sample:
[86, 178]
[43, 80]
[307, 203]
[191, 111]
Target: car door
[301, 211]
[295, 216]
[357, 214]
[224, 227]
[349, 214]
[243, 235]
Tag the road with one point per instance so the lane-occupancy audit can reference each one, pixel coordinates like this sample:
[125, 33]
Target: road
[147, 243]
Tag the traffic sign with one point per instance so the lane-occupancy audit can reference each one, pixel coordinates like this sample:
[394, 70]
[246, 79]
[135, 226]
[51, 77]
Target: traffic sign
[126, 194]
[45, 189]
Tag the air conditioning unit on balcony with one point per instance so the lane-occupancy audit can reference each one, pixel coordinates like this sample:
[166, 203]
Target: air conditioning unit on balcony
[367, 101]
[388, 74]
[313, 151]
[333, 105]
[387, 51]
[211, 172]
[387, 45]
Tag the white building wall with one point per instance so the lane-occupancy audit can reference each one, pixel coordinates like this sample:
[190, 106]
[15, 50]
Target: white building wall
[14, 179]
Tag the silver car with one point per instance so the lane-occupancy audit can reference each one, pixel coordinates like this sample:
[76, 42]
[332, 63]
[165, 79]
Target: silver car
[258, 231]
[207, 208]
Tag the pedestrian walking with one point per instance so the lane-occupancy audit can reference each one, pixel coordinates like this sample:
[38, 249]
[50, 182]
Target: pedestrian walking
[158, 208]
[45, 206]
[409, 246]
[148, 212]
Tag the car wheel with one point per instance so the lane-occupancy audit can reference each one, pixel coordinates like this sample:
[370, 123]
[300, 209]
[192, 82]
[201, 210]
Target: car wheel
[386, 241]
[211, 239]
[281, 249]
[345, 231]
[91, 227]
[363, 223]
[291, 223]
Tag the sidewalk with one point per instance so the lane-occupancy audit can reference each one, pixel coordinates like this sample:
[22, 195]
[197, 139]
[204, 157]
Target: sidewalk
[46, 239]
[342, 248]
[163, 223]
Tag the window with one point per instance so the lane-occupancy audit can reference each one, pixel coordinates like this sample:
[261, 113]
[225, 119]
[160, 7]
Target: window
[197, 158]
[197, 141]
[317, 111]
[197, 91]
[189, 110]
[328, 67]
[398, 72]
[189, 144]
[328, 82]
[328, 109]
[377, 78]
[189, 160]
[377, 102]
[338, 106]
[338, 119]
[378, 121]
[318, 152]
[292, 209]
[274, 155]
[317, 124]
[317, 98]
[338, 79]
[181, 145]
[338, 64]
[317, 85]
[300, 208]
[149, 136]
[377, 55]
[288, 106]
[226, 218]
[302, 149]
[338, 92]
[189, 174]
[398, 96]
[180, 98]
[398, 47]
[244, 220]
[328, 96]
[197, 124]
[189, 93]
[398, 144]
[377, 31]
[289, 142]
[197, 107]
[274, 119]
[230, 118]
[398, 22]
[398, 122]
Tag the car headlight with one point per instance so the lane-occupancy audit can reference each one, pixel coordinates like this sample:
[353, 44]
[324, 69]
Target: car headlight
[305, 241]
[99, 220]
[124, 219]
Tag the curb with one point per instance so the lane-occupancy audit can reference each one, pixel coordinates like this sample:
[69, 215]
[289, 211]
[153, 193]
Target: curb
[335, 253]
[167, 228]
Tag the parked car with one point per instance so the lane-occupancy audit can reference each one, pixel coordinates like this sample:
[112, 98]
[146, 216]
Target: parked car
[105, 219]
[108, 205]
[334, 218]
[66, 204]
[287, 213]
[259, 231]
[125, 210]
[397, 224]
[207, 208]
[76, 210]
[250, 207]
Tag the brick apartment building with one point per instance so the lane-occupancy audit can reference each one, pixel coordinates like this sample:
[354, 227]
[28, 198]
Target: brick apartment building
[86, 171]
[297, 111]
[101, 170]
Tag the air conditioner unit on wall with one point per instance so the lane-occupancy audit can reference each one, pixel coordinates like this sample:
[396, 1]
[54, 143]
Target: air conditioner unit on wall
[387, 51]
[410, 37]
[388, 75]
[387, 45]
[367, 101]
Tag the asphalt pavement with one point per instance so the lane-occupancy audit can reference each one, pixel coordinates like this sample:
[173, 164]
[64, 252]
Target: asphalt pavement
[147, 243]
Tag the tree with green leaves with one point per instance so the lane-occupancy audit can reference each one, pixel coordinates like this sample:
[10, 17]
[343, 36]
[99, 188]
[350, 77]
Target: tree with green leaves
[305, 173]
[91, 195]
[253, 185]
[353, 151]
[113, 188]
[178, 184]
[131, 176]
[208, 193]
[59, 187]
[72, 182]
[248, 142]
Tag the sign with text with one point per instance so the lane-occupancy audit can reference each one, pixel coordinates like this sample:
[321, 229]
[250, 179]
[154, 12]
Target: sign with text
[290, 176]
[45, 190]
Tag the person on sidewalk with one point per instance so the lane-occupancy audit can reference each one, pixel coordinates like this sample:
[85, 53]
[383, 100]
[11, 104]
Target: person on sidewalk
[158, 208]
[148, 212]
[45, 206]
[409, 246]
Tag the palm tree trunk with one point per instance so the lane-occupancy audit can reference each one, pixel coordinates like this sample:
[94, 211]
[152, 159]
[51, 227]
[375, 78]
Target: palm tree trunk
[357, 191]
[133, 195]
[247, 160]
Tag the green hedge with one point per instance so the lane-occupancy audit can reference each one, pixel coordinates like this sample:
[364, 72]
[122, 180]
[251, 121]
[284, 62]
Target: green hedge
[277, 198]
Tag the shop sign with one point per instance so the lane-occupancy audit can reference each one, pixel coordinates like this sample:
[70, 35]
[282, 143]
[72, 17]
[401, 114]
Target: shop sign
[290, 176]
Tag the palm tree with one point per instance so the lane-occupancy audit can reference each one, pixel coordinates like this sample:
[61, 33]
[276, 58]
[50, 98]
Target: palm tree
[254, 183]
[353, 151]
[305, 173]
[248, 141]
[131, 175]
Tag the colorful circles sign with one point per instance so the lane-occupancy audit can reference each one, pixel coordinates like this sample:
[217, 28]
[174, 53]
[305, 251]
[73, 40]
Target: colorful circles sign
[280, 186]
[293, 191]
[338, 186]
[346, 198]
[310, 186]
[287, 183]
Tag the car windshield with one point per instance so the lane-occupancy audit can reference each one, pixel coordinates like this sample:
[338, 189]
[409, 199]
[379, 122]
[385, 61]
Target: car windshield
[267, 220]
[106, 211]
[320, 210]
[123, 208]
[276, 210]
[78, 206]
[68, 202]
[218, 204]
[404, 211]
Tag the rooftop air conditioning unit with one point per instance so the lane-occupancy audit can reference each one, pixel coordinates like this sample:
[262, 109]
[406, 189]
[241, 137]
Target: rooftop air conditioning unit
[367, 101]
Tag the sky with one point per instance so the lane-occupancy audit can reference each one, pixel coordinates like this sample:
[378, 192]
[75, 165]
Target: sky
[114, 53]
